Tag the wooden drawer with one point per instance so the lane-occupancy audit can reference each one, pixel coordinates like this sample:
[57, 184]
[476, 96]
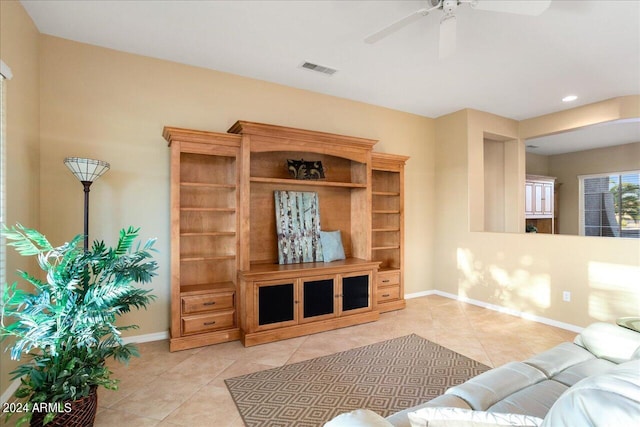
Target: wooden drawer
[207, 302]
[208, 322]
[388, 278]
[388, 293]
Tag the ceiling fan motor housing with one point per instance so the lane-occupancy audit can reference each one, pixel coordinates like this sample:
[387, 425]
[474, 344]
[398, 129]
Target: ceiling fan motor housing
[449, 6]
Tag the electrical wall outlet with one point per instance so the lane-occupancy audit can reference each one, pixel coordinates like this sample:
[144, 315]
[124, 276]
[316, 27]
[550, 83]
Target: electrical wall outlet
[566, 296]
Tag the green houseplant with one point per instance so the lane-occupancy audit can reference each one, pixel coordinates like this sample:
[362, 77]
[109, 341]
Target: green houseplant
[66, 324]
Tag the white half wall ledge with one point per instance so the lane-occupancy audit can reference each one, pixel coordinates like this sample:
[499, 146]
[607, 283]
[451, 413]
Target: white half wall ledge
[500, 309]
[5, 70]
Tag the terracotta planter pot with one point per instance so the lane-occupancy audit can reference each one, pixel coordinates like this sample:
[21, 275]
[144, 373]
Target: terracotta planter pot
[74, 413]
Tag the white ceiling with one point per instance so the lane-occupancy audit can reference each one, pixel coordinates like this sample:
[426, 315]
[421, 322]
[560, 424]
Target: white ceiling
[511, 65]
[606, 134]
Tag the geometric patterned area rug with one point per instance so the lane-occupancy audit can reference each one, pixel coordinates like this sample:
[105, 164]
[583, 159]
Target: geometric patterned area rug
[385, 377]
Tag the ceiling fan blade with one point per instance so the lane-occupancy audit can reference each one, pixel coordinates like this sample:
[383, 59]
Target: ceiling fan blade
[519, 7]
[397, 25]
[447, 45]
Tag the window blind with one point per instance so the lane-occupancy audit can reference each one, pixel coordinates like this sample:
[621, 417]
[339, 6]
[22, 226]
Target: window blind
[3, 163]
[610, 204]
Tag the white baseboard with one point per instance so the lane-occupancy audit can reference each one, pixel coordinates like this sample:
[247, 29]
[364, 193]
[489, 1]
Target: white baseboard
[8, 393]
[156, 336]
[419, 294]
[500, 309]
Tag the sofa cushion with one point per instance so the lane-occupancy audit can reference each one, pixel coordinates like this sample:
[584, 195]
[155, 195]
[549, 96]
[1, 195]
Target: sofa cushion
[610, 399]
[486, 389]
[611, 342]
[432, 417]
[534, 400]
[559, 358]
[578, 372]
[358, 418]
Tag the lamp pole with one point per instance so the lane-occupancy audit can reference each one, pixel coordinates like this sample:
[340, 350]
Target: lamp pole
[86, 185]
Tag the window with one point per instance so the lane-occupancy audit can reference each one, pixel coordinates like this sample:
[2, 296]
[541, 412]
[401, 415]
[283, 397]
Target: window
[610, 204]
[3, 198]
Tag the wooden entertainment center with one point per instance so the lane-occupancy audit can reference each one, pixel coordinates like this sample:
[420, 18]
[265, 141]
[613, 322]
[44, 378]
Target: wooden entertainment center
[226, 283]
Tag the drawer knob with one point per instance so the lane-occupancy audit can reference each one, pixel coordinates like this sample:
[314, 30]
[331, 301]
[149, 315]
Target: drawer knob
[385, 295]
[209, 323]
[385, 281]
[209, 303]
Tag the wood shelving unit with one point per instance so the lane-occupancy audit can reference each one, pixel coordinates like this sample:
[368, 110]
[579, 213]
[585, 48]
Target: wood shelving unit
[226, 283]
[204, 261]
[388, 229]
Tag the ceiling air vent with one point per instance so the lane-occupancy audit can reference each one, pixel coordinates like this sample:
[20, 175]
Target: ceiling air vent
[319, 68]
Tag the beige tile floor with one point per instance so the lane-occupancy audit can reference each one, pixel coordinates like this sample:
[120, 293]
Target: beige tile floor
[187, 388]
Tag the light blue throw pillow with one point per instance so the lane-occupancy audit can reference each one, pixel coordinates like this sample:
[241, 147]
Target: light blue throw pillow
[332, 249]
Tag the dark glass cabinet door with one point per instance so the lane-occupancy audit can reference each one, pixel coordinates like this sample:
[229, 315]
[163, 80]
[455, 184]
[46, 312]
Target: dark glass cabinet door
[355, 292]
[318, 298]
[276, 303]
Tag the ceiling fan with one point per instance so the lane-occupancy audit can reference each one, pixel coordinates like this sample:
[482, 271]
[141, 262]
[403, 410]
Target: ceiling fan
[447, 44]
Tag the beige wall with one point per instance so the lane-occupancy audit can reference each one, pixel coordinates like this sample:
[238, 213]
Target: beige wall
[494, 202]
[19, 49]
[537, 164]
[518, 271]
[112, 106]
[567, 167]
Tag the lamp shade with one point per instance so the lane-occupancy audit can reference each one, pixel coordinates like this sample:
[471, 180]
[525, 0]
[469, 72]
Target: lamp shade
[86, 170]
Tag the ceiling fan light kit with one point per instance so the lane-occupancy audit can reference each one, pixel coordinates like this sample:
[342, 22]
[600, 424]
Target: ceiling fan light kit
[447, 42]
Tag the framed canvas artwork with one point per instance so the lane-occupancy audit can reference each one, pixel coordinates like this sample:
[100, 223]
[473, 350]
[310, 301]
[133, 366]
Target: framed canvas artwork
[298, 226]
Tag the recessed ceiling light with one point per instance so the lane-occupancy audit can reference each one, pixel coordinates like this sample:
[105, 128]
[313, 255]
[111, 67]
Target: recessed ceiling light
[569, 98]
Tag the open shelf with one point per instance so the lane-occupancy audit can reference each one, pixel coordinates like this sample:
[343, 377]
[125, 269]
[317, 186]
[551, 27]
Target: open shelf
[207, 184]
[307, 183]
[207, 258]
[208, 209]
[206, 288]
[386, 193]
[388, 269]
[209, 233]
[386, 211]
[269, 268]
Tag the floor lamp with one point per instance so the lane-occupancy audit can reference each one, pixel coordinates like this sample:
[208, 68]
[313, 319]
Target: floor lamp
[87, 171]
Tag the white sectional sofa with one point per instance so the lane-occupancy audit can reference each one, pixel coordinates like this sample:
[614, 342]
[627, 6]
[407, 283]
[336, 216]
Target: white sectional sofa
[593, 381]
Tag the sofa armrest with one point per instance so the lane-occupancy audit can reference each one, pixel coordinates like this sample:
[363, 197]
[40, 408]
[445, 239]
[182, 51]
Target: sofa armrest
[611, 399]
[609, 341]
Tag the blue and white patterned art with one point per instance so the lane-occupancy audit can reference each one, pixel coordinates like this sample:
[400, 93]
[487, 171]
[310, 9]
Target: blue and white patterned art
[298, 227]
